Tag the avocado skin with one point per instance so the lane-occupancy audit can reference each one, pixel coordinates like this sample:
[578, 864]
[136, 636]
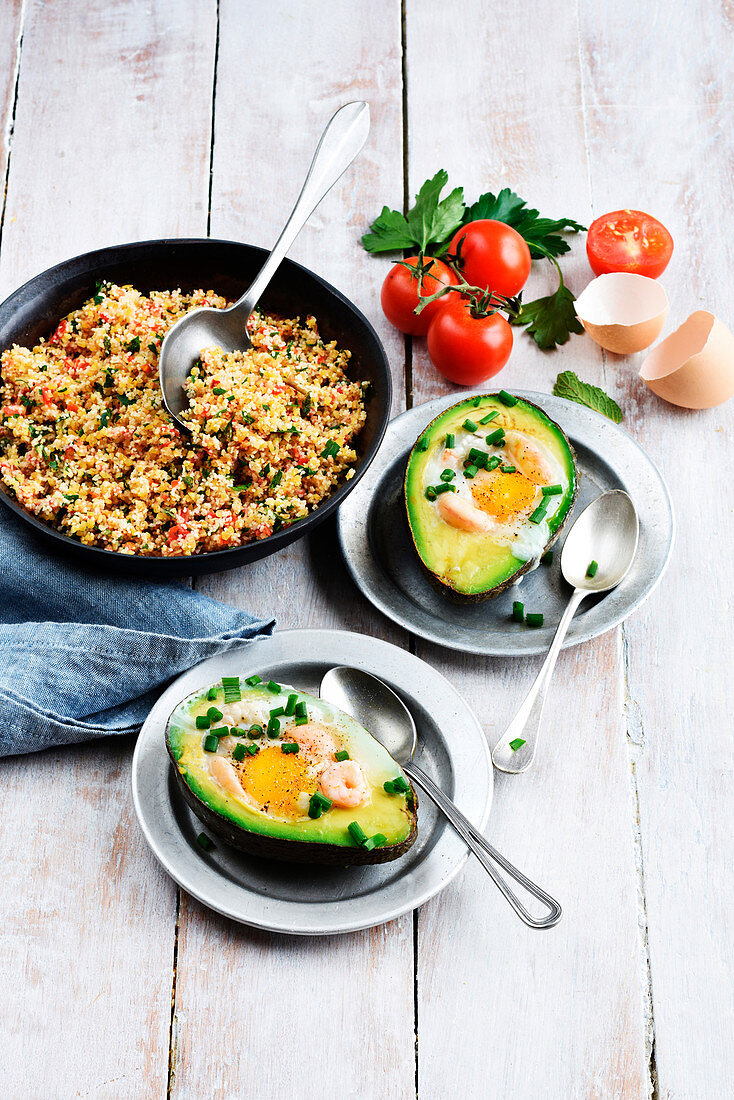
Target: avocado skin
[490, 593]
[289, 851]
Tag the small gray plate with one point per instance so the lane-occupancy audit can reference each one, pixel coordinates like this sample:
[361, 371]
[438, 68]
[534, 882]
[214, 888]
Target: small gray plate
[295, 898]
[376, 543]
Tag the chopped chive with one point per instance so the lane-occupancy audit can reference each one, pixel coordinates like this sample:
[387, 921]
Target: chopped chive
[290, 707]
[591, 571]
[547, 558]
[508, 469]
[389, 787]
[507, 398]
[518, 612]
[447, 475]
[318, 804]
[203, 721]
[539, 514]
[301, 719]
[552, 490]
[534, 618]
[214, 714]
[430, 493]
[450, 440]
[301, 710]
[490, 417]
[517, 744]
[231, 685]
[212, 693]
[272, 686]
[496, 437]
[471, 471]
[252, 749]
[251, 681]
[278, 712]
[205, 842]
[494, 462]
[375, 841]
[469, 425]
[211, 743]
[478, 458]
[422, 444]
[444, 487]
[342, 754]
[273, 727]
[477, 402]
[220, 731]
[240, 751]
[289, 747]
[400, 785]
[356, 832]
[255, 731]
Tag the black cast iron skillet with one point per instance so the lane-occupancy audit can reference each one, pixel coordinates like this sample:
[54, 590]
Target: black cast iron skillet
[228, 268]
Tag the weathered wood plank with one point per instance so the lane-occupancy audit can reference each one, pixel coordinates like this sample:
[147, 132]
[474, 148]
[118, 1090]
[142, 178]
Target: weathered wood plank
[665, 107]
[559, 1013]
[359, 1039]
[111, 143]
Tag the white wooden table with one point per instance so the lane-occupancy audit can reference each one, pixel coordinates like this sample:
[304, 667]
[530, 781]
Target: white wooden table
[127, 119]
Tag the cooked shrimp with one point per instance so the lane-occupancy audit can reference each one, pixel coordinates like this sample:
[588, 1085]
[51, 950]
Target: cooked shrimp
[529, 457]
[344, 783]
[226, 775]
[462, 513]
[314, 738]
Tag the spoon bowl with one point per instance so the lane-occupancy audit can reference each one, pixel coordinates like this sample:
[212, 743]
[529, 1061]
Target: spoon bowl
[384, 714]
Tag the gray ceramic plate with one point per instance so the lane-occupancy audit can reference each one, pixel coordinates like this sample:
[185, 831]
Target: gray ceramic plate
[293, 898]
[375, 540]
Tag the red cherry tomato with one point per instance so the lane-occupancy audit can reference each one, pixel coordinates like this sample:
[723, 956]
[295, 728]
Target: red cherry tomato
[467, 349]
[493, 256]
[628, 240]
[400, 294]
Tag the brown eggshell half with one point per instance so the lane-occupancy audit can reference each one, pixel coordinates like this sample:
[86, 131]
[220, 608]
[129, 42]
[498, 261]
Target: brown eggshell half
[622, 312]
[694, 366]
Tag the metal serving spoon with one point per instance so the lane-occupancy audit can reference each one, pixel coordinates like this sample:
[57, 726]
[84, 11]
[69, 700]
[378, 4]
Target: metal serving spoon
[340, 142]
[606, 532]
[385, 715]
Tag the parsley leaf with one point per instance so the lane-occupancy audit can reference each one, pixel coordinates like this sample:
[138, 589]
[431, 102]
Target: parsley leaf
[551, 320]
[571, 387]
[428, 225]
[541, 234]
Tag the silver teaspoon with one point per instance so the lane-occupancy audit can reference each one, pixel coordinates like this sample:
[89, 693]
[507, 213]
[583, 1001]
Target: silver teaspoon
[340, 142]
[606, 532]
[376, 707]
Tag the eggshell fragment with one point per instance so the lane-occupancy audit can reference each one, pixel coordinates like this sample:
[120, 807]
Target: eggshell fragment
[694, 366]
[622, 312]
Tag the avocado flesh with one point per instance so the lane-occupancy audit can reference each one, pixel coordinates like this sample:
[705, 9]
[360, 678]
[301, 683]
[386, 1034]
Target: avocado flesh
[289, 835]
[468, 564]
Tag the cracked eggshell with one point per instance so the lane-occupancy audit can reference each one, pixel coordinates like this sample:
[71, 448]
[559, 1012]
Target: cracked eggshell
[694, 366]
[622, 312]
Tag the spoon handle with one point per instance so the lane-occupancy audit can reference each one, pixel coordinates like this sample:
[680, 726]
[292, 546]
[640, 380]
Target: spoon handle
[525, 726]
[489, 856]
[344, 136]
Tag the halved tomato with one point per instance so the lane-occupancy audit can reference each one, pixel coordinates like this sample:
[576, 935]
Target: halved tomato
[628, 240]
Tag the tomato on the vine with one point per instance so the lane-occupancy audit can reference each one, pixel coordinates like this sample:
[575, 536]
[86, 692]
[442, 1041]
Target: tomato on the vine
[492, 255]
[403, 286]
[467, 349]
[628, 240]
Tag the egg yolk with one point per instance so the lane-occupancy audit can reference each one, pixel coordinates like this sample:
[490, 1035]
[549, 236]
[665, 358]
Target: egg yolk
[276, 780]
[502, 495]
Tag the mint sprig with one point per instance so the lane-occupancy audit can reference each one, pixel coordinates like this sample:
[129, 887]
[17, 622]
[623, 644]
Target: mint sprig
[570, 386]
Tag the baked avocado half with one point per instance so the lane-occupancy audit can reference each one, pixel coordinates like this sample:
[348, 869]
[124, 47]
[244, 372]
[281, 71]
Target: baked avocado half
[488, 486]
[284, 775]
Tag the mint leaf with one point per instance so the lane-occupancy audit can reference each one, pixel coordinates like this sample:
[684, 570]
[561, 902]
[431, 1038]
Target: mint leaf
[428, 226]
[541, 234]
[571, 387]
[551, 320]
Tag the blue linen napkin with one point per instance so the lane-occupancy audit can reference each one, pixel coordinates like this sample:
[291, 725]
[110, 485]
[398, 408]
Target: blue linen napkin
[85, 653]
